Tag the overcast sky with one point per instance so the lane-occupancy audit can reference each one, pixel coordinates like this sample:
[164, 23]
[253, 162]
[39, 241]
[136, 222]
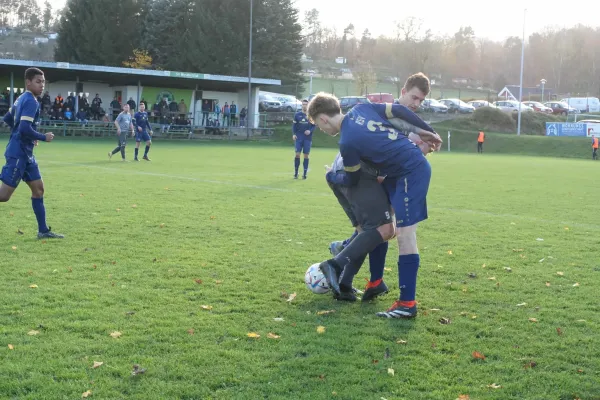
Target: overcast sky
[446, 17]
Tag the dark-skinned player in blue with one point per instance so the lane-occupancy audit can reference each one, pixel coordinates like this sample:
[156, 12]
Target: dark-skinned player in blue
[302, 130]
[22, 118]
[368, 136]
[143, 131]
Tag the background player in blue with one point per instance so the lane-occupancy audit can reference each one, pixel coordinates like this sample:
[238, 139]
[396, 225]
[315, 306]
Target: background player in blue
[303, 130]
[23, 118]
[144, 132]
[368, 136]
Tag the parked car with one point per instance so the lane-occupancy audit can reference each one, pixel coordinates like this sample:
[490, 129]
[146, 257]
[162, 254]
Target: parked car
[512, 106]
[481, 103]
[457, 106]
[346, 103]
[560, 108]
[380, 97]
[583, 104]
[268, 103]
[289, 103]
[538, 107]
[434, 106]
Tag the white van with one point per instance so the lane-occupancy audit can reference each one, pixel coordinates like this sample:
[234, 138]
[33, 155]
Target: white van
[584, 104]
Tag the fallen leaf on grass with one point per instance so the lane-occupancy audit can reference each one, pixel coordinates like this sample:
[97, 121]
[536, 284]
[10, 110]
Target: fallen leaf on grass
[217, 282]
[118, 209]
[580, 371]
[533, 320]
[278, 319]
[253, 335]
[162, 225]
[390, 372]
[466, 396]
[494, 386]
[539, 239]
[387, 269]
[449, 252]
[575, 284]
[434, 309]
[559, 331]
[508, 269]
[483, 266]
[542, 260]
[33, 333]
[190, 331]
[134, 206]
[212, 217]
[97, 364]
[291, 298]
[14, 247]
[400, 341]
[87, 394]
[198, 281]
[548, 284]
[478, 356]
[115, 334]
[325, 312]
[20, 232]
[320, 329]
[560, 273]
[11, 347]
[205, 307]
[521, 304]
[492, 278]
[531, 364]
[374, 361]
[137, 370]
[273, 336]
[34, 286]
[445, 321]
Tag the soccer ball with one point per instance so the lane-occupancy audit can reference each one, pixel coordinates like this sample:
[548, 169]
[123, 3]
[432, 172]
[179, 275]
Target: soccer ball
[315, 280]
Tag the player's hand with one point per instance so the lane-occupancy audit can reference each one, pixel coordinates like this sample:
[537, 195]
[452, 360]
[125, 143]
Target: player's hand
[118, 131]
[132, 133]
[307, 132]
[424, 147]
[139, 128]
[35, 142]
[49, 136]
[294, 137]
[431, 138]
[151, 133]
[327, 169]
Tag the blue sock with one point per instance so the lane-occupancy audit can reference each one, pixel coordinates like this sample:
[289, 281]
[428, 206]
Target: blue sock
[408, 265]
[377, 261]
[40, 214]
[350, 238]
[296, 165]
[305, 166]
[147, 150]
[136, 152]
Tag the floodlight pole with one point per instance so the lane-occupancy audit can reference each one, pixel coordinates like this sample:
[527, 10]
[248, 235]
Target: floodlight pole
[521, 84]
[248, 113]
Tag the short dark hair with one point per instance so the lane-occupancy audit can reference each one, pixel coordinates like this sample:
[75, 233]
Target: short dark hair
[305, 101]
[323, 103]
[31, 73]
[420, 81]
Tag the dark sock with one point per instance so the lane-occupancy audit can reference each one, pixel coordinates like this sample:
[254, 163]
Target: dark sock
[345, 242]
[40, 214]
[123, 152]
[408, 266]
[377, 261]
[116, 150]
[349, 273]
[305, 164]
[296, 165]
[362, 245]
[146, 151]
[136, 152]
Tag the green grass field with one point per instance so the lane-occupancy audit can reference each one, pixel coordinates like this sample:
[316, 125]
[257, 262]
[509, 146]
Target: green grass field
[344, 87]
[187, 255]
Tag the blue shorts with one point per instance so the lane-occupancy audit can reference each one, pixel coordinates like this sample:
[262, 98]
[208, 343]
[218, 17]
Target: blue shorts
[142, 136]
[17, 169]
[303, 146]
[408, 195]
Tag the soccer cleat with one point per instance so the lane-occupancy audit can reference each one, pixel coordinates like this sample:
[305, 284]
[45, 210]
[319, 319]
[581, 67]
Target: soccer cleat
[296, 176]
[331, 276]
[109, 155]
[146, 158]
[399, 311]
[336, 248]
[136, 159]
[345, 295]
[50, 235]
[374, 289]
[303, 176]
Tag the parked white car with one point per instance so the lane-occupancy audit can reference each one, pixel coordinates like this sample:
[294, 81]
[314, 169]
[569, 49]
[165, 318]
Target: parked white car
[512, 106]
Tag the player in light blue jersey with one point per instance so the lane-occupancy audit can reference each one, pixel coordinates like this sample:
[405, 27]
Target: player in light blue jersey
[23, 118]
[143, 133]
[368, 136]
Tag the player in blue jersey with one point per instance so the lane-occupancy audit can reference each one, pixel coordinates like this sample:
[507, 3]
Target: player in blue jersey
[302, 134]
[22, 118]
[368, 136]
[143, 133]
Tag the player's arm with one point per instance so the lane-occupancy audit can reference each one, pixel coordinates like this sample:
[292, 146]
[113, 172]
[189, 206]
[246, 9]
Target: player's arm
[28, 111]
[117, 120]
[295, 125]
[351, 173]
[9, 119]
[312, 127]
[389, 111]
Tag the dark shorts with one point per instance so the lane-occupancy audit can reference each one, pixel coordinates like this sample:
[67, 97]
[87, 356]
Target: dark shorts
[20, 169]
[142, 136]
[408, 195]
[366, 204]
[303, 146]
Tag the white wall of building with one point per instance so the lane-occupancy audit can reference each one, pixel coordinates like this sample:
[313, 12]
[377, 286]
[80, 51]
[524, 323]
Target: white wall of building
[243, 96]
